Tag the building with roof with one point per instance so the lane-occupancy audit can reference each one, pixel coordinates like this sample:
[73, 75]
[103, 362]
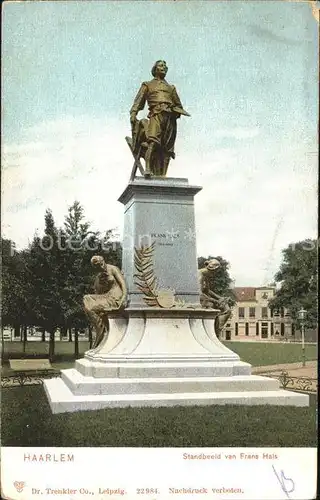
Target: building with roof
[252, 319]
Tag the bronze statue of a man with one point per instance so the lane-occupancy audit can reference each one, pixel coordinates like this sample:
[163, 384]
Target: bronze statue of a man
[154, 139]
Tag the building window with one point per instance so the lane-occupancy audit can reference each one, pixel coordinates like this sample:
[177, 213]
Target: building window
[281, 312]
[264, 312]
[228, 325]
[282, 329]
[293, 329]
[252, 312]
[272, 330]
[264, 330]
[241, 312]
[257, 328]
[247, 328]
[236, 329]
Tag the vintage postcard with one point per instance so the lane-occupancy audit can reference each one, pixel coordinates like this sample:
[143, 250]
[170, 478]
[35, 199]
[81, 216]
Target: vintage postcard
[159, 250]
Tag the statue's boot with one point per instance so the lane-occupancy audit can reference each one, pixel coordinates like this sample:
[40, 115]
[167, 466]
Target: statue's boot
[148, 156]
[166, 162]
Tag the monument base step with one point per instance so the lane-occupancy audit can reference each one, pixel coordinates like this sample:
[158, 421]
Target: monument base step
[62, 399]
[81, 385]
[163, 367]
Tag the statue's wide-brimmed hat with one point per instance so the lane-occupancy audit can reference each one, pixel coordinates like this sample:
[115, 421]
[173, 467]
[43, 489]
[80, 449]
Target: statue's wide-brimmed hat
[212, 264]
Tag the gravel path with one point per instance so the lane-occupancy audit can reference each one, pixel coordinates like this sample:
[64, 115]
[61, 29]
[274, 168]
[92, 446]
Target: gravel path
[293, 369]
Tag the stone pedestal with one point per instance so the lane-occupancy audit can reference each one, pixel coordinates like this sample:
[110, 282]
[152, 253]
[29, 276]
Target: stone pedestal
[157, 356]
[161, 211]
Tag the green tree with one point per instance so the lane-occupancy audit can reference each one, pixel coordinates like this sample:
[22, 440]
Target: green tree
[77, 238]
[220, 282]
[46, 263]
[74, 225]
[8, 272]
[298, 279]
[15, 288]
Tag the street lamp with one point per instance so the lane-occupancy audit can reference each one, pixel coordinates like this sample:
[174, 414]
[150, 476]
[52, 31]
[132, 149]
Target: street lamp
[302, 314]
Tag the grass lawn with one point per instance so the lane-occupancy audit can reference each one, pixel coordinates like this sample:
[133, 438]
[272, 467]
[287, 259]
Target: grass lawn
[63, 349]
[262, 354]
[27, 421]
[64, 353]
[255, 353]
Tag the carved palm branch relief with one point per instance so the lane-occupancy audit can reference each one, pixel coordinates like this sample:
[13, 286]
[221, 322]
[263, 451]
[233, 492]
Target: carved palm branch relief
[146, 280]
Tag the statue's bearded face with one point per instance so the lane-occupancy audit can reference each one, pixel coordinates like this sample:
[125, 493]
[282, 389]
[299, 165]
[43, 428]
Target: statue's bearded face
[161, 68]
